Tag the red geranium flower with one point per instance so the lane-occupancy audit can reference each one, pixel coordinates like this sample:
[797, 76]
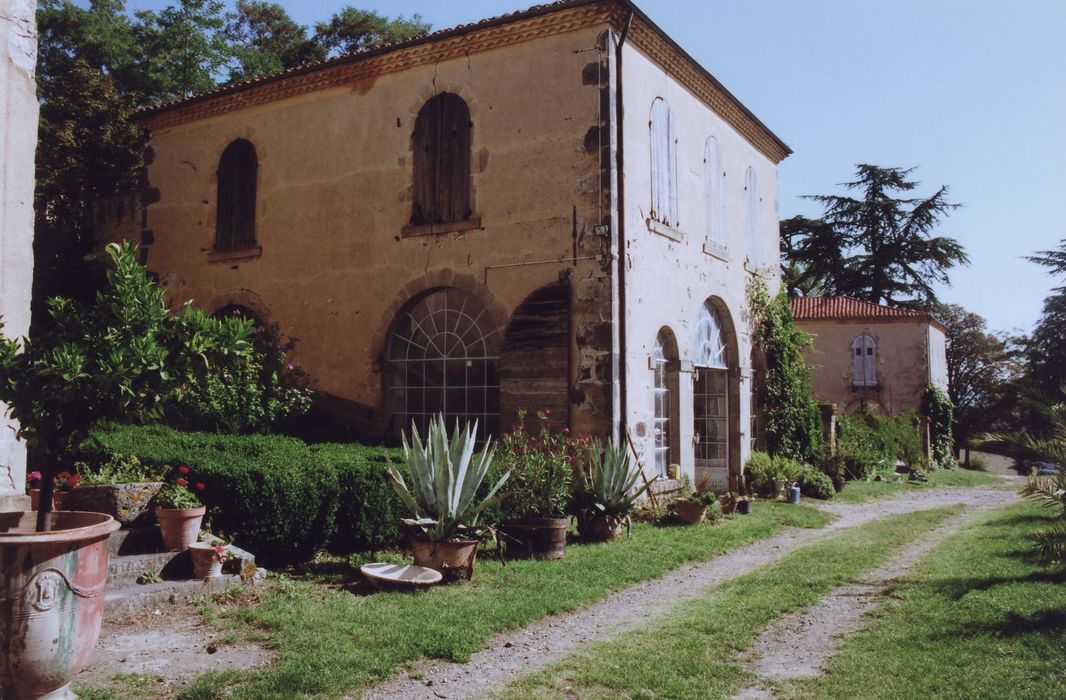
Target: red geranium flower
[73, 481]
[181, 482]
[183, 470]
[200, 486]
[63, 475]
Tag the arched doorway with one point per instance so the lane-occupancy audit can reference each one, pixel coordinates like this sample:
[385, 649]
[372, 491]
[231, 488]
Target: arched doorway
[714, 400]
[441, 357]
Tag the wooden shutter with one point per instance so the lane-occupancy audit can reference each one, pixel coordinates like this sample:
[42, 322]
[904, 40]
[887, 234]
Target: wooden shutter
[235, 206]
[441, 142]
[863, 361]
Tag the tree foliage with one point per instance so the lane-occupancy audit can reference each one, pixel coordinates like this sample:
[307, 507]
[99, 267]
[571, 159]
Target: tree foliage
[877, 247]
[791, 415]
[1045, 349]
[120, 358]
[352, 29]
[264, 39]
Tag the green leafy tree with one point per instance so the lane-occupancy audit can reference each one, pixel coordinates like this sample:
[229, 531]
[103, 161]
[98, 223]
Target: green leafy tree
[263, 39]
[182, 48]
[1045, 349]
[119, 359]
[352, 29]
[981, 367]
[885, 251]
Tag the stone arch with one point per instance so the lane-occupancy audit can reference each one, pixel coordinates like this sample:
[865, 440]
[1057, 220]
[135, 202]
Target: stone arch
[534, 361]
[241, 298]
[716, 395]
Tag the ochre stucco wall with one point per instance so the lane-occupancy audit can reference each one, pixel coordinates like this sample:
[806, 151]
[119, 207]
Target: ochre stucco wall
[18, 101]
[903, 365]
[334, 193]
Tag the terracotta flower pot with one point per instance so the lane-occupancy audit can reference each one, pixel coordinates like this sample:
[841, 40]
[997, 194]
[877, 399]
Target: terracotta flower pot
[539, 538]
[206, 563]
[690, 512]
[51, 599]
[58, 498]
[729, 504]
[454, 560]
[180, 527]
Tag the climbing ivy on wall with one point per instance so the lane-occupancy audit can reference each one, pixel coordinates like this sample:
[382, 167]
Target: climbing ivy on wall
[938, 407]
[791, 416]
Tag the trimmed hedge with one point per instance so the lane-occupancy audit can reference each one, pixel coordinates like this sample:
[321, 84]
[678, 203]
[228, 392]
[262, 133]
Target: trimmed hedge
[277, 496]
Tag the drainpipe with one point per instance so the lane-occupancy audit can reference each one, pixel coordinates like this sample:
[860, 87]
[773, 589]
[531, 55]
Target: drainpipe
[620, 160]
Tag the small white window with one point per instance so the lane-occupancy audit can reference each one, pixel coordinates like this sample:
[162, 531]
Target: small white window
[712, 187]
[863, 361]
[754, 217]
[663, 164]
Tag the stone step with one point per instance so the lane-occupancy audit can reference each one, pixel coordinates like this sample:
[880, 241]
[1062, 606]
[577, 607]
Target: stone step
[171, 566]
[136, 540]
[137, 598]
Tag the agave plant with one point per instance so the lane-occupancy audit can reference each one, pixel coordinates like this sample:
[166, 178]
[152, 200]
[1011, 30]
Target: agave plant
[444, 480]
[610, 485]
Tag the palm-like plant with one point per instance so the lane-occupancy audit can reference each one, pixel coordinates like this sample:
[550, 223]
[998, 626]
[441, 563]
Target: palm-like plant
[1047, 447]
[445, 480]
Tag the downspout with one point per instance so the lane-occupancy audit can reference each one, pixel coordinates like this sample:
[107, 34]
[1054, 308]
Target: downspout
[620, 162]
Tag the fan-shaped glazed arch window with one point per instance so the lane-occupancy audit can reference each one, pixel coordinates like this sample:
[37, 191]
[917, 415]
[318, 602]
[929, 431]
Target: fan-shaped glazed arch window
[442, 358]
[441, 187]
[709, 347]
[235, 208]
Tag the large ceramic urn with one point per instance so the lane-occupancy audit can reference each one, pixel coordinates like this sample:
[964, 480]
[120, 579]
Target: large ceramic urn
[51, 600]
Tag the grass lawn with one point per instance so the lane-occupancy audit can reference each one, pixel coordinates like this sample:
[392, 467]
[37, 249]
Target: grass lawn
[690, 655]
[981, 618]
[860, 491]
[331, 642]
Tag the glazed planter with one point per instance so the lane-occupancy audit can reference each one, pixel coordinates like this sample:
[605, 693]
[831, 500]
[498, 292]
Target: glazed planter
[538, 538]
[179, 527]
[51, 600]
[690, 512]
[454, 560]
[600, 528]
[779, 488]
[205, 560]
[123, 502]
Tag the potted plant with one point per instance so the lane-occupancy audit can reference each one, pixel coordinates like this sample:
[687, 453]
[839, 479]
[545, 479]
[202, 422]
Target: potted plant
[691, 507]
[444, 484]
[64, 483]
[208, 558]
[179, 512]
[541, 467]
[607, 493]
[122, 487]
[117, 359]
[729, 500]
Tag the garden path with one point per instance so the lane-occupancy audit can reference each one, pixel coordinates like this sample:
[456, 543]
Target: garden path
[510, 654]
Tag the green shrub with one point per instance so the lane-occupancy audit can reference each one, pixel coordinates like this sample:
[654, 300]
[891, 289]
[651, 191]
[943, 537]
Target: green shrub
[815, 484]
[714, 511]
[760, 468]
[368, 509]
[833, 465]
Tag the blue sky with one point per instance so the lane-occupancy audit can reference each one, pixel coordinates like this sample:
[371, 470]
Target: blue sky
[973, 92]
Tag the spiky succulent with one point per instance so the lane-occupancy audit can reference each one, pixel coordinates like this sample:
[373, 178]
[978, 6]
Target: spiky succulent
[445, 479]
[610, 484]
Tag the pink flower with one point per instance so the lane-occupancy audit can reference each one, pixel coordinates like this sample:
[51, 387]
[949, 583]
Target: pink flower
[290, 365]
[34, 476]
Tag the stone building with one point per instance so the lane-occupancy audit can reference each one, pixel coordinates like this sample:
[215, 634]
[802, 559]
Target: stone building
[18, 140]
[872, 355]
[556, 209]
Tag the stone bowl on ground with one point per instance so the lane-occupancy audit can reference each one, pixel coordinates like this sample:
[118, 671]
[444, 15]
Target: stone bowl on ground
[400, 577]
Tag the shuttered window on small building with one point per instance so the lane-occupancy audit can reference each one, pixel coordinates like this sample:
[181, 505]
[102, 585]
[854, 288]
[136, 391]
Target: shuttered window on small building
[235, 209]
[864, 362]
[441, 187]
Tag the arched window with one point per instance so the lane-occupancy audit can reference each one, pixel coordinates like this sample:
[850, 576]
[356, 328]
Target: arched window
[664, 360]
[235, 208]
[441, 356]
[710, 396]
[714, 203]
[863, 361]
[663, 164]
[441, 189]
[754, 218]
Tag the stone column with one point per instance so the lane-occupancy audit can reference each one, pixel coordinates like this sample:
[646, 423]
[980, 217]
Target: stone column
[18, 141]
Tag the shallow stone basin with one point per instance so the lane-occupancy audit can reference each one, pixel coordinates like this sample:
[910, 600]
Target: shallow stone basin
[399, 577]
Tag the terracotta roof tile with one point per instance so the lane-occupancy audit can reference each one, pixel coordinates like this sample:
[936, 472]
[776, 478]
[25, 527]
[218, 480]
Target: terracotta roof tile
[812, 308]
